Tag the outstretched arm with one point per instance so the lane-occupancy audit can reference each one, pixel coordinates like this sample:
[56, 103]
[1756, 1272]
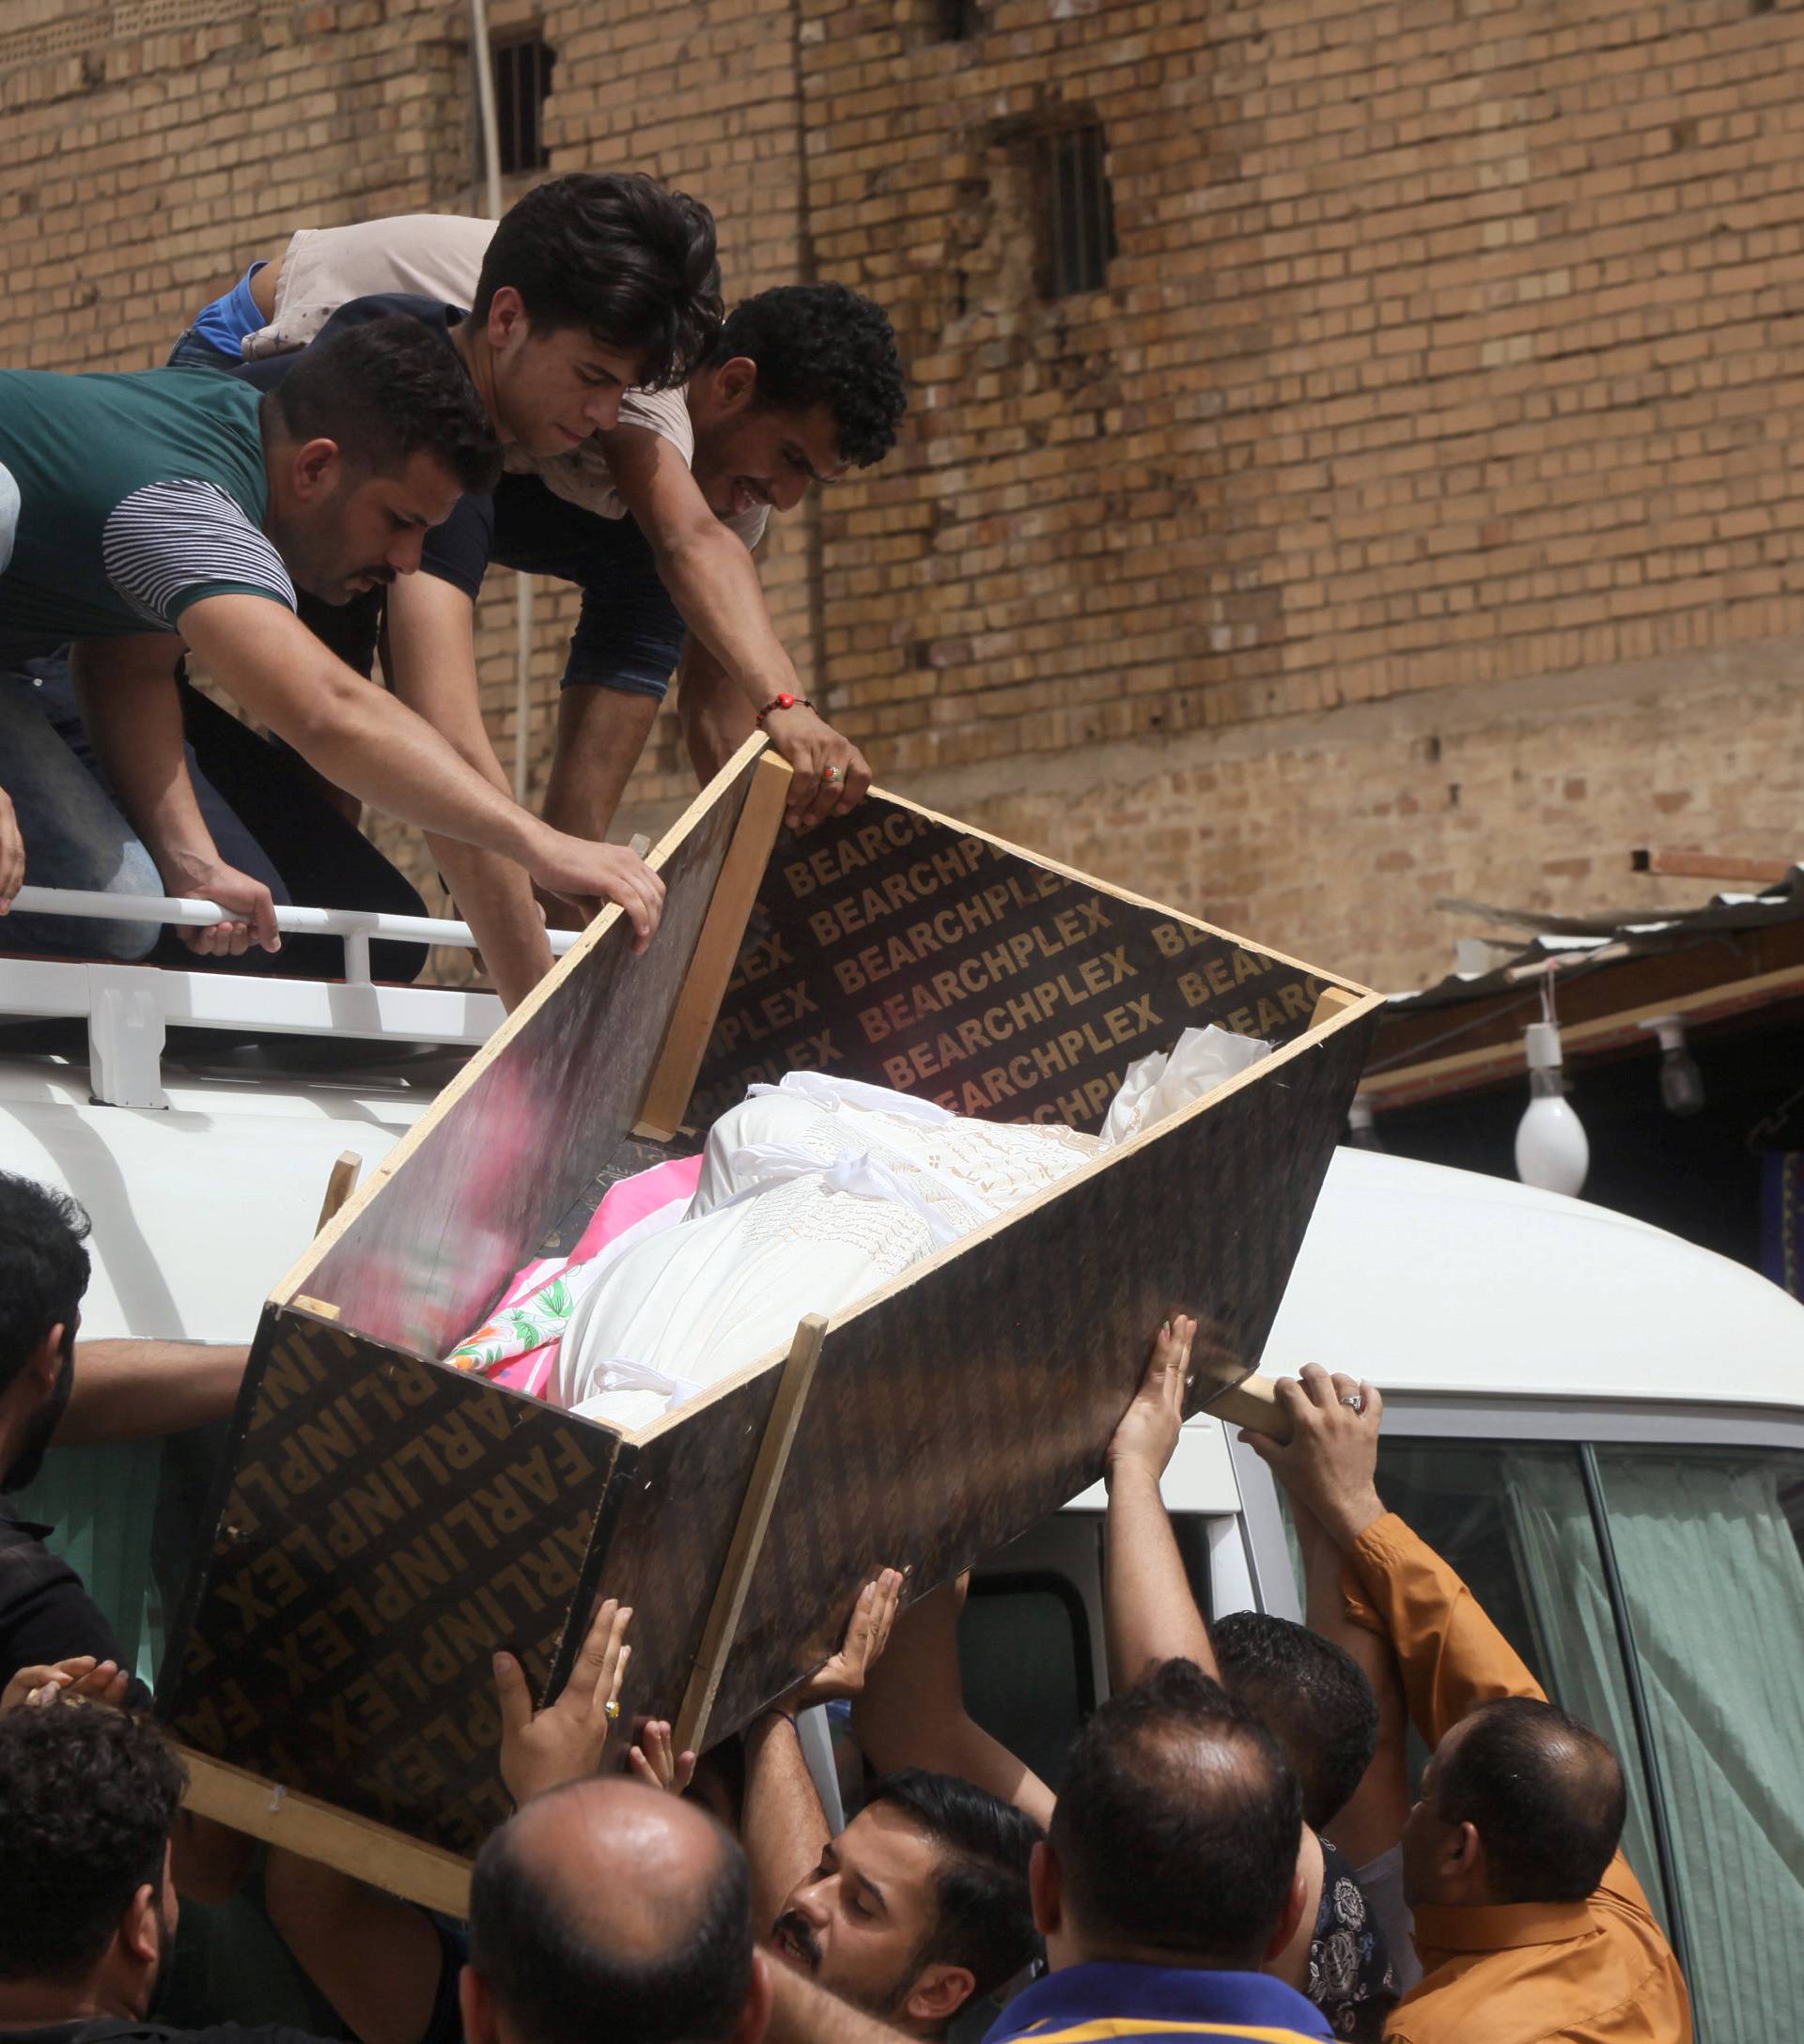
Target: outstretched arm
[1451, 1656]
[126, 690]
[1371, 1820]
[784, 1827]
[714, 583]
[368, 742]
[432, 662]
[1149, 1613]
[913, 1712]
[133, 1390]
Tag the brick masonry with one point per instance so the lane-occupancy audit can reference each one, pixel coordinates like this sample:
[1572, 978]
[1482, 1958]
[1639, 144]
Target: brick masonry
[1435, 430]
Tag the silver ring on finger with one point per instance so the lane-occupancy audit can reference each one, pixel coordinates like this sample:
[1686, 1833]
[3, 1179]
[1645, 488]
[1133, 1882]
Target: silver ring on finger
[1354, 1399]
[829, 774]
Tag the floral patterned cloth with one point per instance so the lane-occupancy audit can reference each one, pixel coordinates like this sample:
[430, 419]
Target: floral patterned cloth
[1351, 1980]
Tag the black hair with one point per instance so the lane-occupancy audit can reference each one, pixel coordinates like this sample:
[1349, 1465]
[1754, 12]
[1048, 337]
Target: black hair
[557, 1983]
[823, 344]
[983, 1914]
[1311, 1694]
[1546, 1794]
[385, 390]
[619, 255]
[88, 1797]
[43, 1267]
[1179, 1824]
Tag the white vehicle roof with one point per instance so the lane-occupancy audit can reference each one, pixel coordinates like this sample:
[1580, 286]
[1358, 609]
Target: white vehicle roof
[200, 1208]
[1424, 1279]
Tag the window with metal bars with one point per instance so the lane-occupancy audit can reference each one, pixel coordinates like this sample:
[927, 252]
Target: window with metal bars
[1077, 209]
[522, 82]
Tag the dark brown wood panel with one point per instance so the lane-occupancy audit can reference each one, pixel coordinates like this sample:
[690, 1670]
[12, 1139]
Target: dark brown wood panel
[952, 1414]
[388, 1525]
[898, 948]
[497, 1166]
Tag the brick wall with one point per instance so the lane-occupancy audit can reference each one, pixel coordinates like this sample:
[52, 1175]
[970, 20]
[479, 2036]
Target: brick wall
[1443, 388]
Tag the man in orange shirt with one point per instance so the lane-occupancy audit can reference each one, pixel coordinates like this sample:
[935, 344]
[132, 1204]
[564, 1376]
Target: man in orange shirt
[1529, 1925]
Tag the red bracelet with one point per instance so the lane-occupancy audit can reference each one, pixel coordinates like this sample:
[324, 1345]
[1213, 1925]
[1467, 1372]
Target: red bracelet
[785, 702]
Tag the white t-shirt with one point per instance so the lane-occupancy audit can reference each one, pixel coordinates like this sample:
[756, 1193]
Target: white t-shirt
[439, 256]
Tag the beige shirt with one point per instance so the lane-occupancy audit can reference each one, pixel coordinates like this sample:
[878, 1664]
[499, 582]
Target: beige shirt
[439, 256]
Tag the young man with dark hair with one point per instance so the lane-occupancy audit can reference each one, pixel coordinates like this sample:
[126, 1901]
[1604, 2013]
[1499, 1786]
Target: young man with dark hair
[192, 509]
[1529, 1923]
[920, 1906]
[605, 1908]
[652, 516]
[1313, 1696]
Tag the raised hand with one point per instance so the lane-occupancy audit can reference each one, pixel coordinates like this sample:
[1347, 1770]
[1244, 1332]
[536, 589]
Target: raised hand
[656, 1762]
[567, 1740]
[1148, 1431]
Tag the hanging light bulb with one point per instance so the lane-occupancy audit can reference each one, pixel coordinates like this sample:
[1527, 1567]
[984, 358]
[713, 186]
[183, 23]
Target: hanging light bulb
[1362, 1124]
[1681, 1082]
[1551, 1151]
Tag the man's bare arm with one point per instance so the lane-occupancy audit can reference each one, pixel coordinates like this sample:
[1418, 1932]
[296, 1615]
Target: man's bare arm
[370, 743]
[1149, 1611]
[782, 1826]
[432, 663]
[714, 583]
[132, 707]
[913, 1712]
[134, 1390]
[785, 1826]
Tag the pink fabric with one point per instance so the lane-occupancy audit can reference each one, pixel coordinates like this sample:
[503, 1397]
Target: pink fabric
[622, 1206]
[633, 1198]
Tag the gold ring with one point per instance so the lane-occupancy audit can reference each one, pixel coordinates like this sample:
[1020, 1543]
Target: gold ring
[612, 1707]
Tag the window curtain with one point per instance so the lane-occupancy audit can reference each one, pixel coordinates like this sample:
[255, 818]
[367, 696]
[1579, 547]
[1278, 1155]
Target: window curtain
[1560, 1567]
[1713, 1582]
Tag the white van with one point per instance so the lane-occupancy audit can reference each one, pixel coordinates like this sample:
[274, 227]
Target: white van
[1600, 1425]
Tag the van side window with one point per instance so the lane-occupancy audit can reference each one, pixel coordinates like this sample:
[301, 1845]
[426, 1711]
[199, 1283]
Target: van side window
[1514, 1520]
[1709, 1549]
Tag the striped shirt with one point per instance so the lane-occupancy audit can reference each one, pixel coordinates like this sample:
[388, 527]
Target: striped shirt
[139, 494]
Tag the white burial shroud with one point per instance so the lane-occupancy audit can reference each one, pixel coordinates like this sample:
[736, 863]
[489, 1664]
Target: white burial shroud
[814, 1194]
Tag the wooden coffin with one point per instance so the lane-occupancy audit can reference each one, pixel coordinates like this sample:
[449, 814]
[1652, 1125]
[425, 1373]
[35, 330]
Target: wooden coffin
[386, 1523]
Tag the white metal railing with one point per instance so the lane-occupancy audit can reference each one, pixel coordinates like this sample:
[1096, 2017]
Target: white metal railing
[128, 1008]
[357, 927]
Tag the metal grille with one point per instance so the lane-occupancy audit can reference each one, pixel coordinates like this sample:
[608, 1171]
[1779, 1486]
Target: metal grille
[522, 82]
[1077, 211]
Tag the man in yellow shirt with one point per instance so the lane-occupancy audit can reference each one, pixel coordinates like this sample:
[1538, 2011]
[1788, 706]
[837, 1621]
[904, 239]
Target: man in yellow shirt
[1530, 1925]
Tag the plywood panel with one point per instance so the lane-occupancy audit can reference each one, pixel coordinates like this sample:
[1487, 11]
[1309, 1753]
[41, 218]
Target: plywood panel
[953, 1414]
[388, 1525]
[465, 1199]
[899, 947]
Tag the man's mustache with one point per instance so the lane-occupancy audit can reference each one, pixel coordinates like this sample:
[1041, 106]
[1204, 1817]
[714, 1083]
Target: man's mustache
[796, 1928]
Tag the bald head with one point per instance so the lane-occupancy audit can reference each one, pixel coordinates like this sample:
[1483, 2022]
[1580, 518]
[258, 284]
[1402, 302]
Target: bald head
[1176, 1826]
[1544, 1792]
[607, 1895]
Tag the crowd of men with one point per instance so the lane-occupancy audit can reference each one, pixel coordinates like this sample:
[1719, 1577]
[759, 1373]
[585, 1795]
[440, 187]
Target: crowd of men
[322, 475]
[1231, 1849]
[317, 480]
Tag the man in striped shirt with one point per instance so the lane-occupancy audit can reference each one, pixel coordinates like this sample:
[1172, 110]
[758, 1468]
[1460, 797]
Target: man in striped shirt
[180, 502]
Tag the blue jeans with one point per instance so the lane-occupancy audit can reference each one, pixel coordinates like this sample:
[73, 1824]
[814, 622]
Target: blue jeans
[74, 836]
